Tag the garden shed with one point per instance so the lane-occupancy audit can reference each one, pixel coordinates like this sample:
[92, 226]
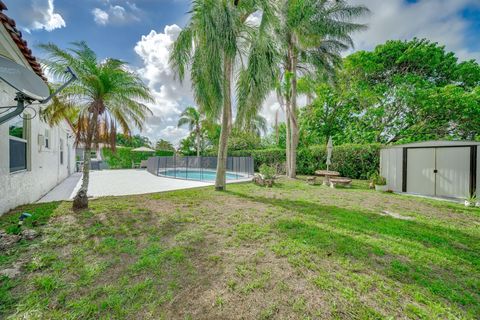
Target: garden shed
[432, 168]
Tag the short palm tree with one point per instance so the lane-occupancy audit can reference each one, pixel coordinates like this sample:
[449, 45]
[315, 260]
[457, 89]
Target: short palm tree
[213, 46]
[105, 95]
[257, 125]
[191, 117]
[312, 34]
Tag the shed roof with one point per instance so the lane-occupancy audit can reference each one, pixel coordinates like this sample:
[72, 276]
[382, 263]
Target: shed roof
[16, 35]
[434, 143]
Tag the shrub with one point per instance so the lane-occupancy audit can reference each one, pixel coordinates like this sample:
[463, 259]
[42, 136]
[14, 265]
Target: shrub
[268, 172]
[378, 180]
[351, 160]
[122, 158]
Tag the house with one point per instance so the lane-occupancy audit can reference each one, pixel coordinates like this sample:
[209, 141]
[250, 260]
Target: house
[34, 157]
[95, 153]
[96, 157]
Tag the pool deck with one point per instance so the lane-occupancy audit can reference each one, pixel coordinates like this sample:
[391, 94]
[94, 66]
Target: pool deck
[119, 183]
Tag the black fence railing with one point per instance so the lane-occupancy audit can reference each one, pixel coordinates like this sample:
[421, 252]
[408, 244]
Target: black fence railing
[199, 168]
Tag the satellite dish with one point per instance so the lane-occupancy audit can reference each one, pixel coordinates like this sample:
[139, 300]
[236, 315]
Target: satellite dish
[23, 80]
[29, 86]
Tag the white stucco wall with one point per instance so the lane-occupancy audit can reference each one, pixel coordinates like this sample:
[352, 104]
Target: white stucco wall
[44, 168]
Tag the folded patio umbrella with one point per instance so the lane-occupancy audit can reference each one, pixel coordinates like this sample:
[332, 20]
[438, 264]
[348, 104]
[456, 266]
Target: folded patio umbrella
[329, 152]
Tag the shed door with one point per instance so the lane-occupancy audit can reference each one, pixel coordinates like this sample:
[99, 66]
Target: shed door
[420, 171]
[453, 172]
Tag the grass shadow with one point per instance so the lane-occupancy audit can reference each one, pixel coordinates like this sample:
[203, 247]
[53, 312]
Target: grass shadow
[327, 230]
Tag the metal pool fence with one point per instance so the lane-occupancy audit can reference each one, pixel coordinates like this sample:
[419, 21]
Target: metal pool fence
[199, 168]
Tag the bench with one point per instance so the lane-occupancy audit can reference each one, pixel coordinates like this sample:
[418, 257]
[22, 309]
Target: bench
[311, 180]
[346, 182]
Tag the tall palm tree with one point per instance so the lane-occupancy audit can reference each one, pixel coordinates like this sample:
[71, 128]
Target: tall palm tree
[191, 117]
[312, 34]
[214, 45]
[106, 94]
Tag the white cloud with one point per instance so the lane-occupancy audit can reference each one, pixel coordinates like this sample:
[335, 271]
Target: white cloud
[171, 96]
[116, 14]
[101, 17]
[41, 15]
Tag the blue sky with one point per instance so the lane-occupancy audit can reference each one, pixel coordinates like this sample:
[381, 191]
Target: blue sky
[142, 31]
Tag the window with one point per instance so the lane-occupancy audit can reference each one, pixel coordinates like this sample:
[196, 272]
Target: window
[18, 144]
[47, 139]
[61, 151]
[93, 154]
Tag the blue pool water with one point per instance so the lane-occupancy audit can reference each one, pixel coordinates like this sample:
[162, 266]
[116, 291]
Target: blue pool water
[204, 175]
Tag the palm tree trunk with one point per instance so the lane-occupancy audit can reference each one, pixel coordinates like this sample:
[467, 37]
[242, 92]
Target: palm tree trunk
[81, 199]
[220, 181]
[293, 120]
[288, 136]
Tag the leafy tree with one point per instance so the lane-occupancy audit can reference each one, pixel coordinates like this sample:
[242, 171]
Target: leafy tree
[311, 33]
[408, 91]
[402, 91]
[188, 145]
[164, 145]
[324, 117]
[216, 39]
[105, 94]
[135, 141]
[244, 140]
[191, 117]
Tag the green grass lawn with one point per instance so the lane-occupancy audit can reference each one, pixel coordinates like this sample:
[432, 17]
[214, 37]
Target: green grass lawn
[291, 252]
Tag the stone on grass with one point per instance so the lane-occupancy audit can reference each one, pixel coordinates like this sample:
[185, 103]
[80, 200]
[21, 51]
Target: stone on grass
[8, 240]
[10, 273]
[29, 234]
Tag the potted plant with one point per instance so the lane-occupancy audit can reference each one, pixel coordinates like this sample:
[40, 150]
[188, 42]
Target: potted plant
[268, 174]
[471, 201]
[379, 182]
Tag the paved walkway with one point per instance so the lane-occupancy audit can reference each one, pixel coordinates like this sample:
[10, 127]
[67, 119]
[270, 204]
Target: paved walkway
[118, 183]
[64, 190]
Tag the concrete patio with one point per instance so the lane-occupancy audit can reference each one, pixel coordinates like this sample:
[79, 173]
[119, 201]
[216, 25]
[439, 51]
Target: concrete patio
[118, 183]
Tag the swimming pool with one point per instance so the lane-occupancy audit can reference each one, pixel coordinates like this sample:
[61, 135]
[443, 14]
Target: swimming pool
[203, 175]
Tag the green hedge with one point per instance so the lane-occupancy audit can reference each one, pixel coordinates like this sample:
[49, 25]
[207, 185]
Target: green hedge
[351, 160]
[122, 158]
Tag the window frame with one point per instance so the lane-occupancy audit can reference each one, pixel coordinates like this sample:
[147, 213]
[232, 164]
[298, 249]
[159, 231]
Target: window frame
[61, 152]
[26, 141]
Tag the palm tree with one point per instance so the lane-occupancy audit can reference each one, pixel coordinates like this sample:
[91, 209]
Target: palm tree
[164, 145]
[213, 46]
[191, 117]
[258, 125]
[312, 34]
[106, 94]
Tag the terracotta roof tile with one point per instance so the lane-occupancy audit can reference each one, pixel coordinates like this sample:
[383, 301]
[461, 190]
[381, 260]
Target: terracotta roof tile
[22, 45]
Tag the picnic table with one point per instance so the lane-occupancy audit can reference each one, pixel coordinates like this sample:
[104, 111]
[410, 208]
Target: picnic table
[328, 174]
